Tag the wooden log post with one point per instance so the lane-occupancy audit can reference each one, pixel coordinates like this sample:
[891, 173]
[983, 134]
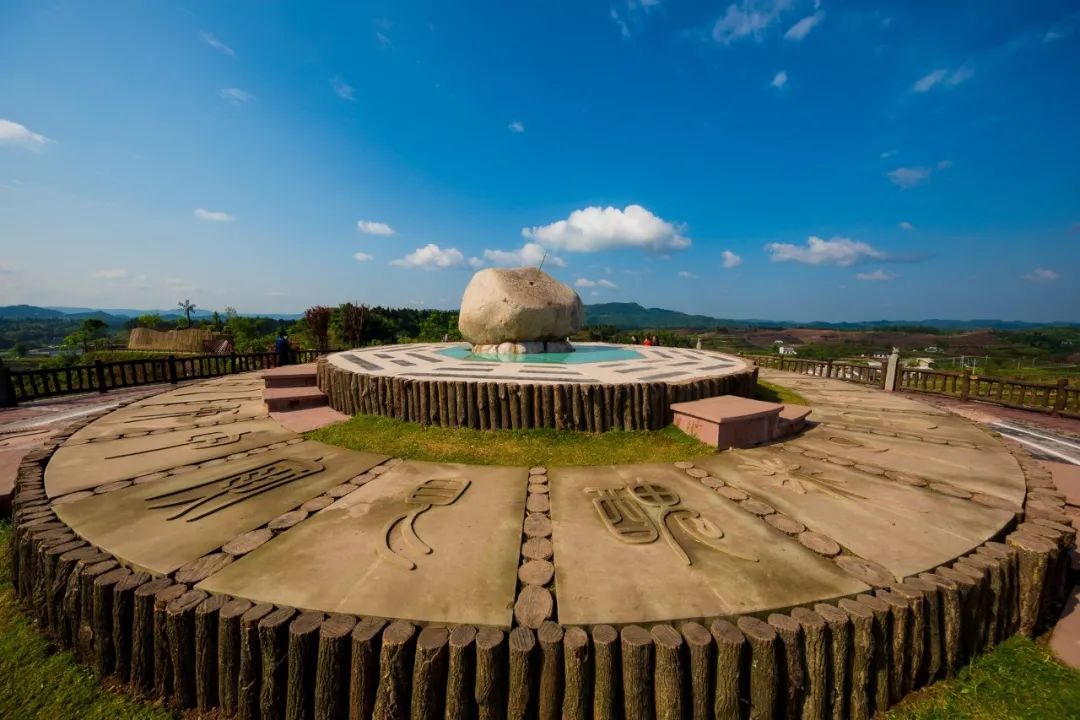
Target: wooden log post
[763, 667]
[303, 654]
[85, 645]
[1001, 574]
[104, 649]
[51, 563]
[700, 666]
[163, 672]
[636, 649]
[550, 637]
[460, 673]
[815, 657]
[273, 632]
[607, 685]
[141, 672]
[668, 672]
[249, 666]
[206, 652]
[577, 678]
[489, 690]
[521, 686]
[838, 632]
[1033, 561]
[881, 667]
[933, 659]
[61, 620]
[123, 617]
[366, 643]
[332, 667]
[731, 648]
[395, 662]
[967, 598]
[790, 660]
[180, 627]
[860, 698]
[429, 674]
[228, 653]
[899, 654]
[915, 635]
[949, 603]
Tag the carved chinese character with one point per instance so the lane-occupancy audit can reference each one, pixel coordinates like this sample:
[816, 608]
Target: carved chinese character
[430, 493]
[211, 496]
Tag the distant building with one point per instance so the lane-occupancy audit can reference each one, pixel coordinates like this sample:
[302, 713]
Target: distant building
[932, 348]
[787, 350]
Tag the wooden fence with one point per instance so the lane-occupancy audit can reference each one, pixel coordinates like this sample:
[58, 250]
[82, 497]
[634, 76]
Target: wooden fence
[1058, 398]
[18, 386]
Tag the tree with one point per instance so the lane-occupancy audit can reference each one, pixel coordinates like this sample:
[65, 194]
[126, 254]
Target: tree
[19, 349]
[317, 320]
[352, 323]
[151, 321]
[187, 307]
[89, 334]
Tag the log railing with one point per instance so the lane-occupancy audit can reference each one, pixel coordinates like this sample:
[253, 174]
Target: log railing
[18, 386]
[1059, 398]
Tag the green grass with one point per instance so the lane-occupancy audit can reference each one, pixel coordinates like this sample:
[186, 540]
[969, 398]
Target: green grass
[509, 447]
[769, 392]
[38, 681]
[1020, 679]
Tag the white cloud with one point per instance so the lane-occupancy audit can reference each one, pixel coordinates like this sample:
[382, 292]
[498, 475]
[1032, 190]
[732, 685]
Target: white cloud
[595, 228]
[801, 29]
[587, 283]
[878, 275]
[688, 275]
[1056, 33]
[362, 257]
[1042, 275]
[214, 215]
[838, 251]
[384, 41]
[476, 263]
[624, 29]
[213, 42]
[944, 165]
[905, 225]
[945, 77]
[517, 126]
[731, 260]
[529, 254]
[343, 90]
[235, 96]
[885, 155]
[748, 18]
[908, 177]
[431, 257]
[779, 80]
[12, 133]
[370, 227]
[113, 274]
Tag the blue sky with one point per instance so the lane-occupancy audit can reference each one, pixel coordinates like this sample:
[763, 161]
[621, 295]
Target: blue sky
[785, 159]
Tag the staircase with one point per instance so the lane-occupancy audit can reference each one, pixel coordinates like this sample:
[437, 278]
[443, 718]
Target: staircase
[292, 387]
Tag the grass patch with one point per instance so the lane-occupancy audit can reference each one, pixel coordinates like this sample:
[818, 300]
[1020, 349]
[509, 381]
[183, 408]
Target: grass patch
[1019, 679]
[508, 447]
[38, 681]
[770, 392]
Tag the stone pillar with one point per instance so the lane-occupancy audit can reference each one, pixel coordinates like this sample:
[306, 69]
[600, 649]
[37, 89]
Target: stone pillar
[892, 372]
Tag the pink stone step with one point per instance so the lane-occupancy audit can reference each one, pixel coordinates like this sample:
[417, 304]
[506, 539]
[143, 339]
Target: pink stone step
[302, 421]
[290, 376]
[293, 398]
[792, 419]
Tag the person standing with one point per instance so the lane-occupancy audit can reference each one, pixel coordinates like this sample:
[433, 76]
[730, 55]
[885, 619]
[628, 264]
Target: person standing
[281, 347]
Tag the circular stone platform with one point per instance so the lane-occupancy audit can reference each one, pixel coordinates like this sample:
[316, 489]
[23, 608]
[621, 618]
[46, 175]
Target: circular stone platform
[198, 491]
[601, 387]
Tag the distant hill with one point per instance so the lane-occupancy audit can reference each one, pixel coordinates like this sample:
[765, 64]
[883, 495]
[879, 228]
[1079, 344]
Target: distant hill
[632, 316]
[113, 316]
[29, 312]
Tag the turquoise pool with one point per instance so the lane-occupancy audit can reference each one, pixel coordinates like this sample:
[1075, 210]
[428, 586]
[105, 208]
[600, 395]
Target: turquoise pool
[582, 355]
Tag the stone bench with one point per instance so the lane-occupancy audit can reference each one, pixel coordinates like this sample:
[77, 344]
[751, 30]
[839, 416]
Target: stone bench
[730, 421]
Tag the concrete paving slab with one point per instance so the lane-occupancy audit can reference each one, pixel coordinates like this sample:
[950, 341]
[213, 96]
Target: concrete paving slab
[1067, 479]
[906, 529]
[425, 541]
[85, 466]
[161, 525]
[647, 543]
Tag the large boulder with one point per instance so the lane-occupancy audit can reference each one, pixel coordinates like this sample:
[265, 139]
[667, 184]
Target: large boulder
[524, 307]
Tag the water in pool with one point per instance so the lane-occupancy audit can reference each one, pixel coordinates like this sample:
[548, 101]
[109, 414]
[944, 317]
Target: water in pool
[582, 354]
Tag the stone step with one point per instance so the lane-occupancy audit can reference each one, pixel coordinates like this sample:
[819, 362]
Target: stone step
[290, 376]
[293, 398]
[792, 419]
